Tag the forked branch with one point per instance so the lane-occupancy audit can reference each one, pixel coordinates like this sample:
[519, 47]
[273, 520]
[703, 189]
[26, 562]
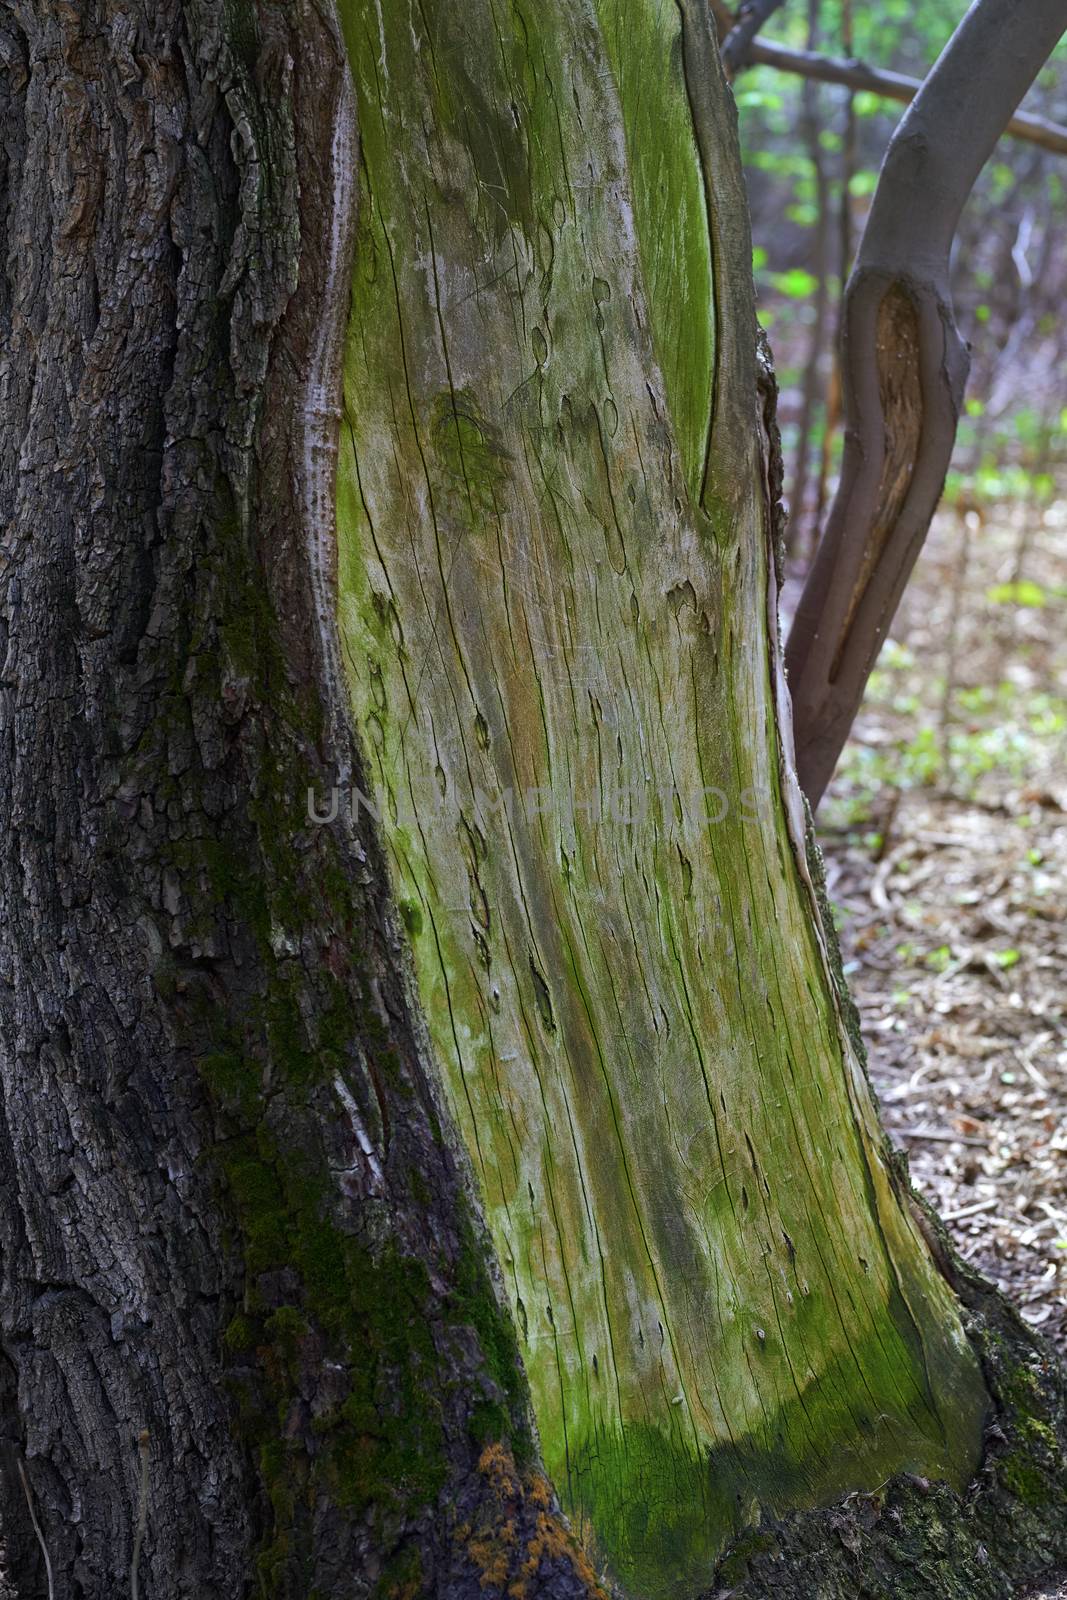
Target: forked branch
[750, 19]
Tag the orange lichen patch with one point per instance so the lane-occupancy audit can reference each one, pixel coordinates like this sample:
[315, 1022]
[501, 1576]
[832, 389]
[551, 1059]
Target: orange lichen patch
[539, 1490]
[516, 1530]
[492, 1556]
[552, 1541]
[497, 1464]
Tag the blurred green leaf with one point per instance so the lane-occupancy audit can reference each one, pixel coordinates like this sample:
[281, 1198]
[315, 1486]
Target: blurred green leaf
[759, 97]
[1024, 593]
[796, 283]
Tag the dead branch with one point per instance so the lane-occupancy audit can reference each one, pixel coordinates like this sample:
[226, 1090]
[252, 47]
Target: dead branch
[853, 74]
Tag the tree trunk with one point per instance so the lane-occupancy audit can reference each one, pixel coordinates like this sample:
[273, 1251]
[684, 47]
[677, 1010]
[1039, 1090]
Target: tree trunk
[554, 535]
[803, 525]
[311, 1129]
[201, 1010]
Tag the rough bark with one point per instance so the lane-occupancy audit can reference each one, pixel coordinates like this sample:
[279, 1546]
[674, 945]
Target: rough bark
[200, 1013]
[243, 1268]
[904, 368]
[917, 1539]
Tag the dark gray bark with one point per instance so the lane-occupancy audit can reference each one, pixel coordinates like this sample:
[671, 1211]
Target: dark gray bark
[904, 367]
[111, 1268]
[216, 1131]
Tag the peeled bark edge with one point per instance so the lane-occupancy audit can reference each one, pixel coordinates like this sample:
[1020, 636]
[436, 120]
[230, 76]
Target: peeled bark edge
[424, 1475]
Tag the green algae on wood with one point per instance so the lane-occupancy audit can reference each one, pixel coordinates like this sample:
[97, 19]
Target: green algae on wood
[559, 671]
[644, 49]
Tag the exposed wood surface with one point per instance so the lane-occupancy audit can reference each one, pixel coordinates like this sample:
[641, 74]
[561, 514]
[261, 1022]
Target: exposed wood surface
[554, 564]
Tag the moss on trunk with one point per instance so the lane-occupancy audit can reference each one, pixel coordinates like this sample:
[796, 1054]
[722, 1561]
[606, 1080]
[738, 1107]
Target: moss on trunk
[913, 1539]
[234, 1224]
[554, 556]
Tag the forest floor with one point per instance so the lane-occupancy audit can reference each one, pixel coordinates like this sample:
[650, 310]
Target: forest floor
[945, 837]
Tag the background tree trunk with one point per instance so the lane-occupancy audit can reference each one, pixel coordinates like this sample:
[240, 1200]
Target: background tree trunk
[904, 368]
[260, 1076]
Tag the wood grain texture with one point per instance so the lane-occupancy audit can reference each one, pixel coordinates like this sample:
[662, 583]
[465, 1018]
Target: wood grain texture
[558, 639]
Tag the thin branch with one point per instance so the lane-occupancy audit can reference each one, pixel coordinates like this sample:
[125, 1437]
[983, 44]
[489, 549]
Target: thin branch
[37, 1530]
[811, 128]
[849, 143]
[889, 85]
[737, 46]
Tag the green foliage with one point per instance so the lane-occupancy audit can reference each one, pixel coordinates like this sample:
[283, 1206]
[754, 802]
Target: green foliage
[996, 727]
[1023, 593]
[795, 284]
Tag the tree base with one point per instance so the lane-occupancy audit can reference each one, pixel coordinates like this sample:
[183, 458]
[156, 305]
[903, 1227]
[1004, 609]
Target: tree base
[918, 1539]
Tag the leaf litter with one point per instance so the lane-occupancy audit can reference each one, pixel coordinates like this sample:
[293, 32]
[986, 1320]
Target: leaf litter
[945, 837]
